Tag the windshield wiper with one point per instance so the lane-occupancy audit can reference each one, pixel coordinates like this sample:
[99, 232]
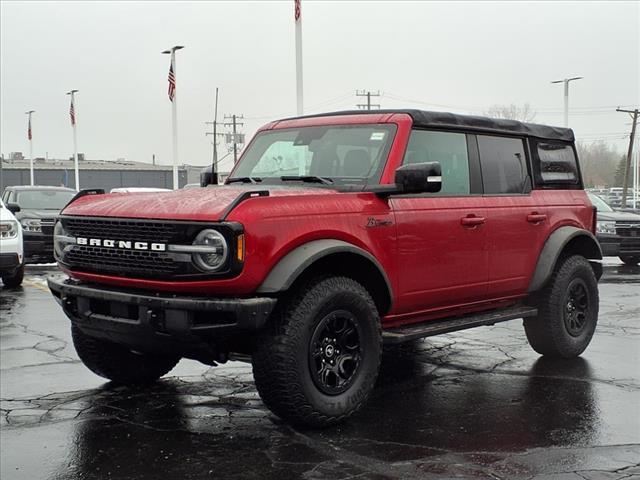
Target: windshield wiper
[306, 178]
[244, 180]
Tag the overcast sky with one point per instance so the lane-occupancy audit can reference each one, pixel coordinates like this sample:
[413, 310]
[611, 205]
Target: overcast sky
[461, 57]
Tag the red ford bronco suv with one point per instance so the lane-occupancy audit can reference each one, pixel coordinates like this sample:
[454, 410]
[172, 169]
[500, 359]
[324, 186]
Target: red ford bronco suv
[334, 234]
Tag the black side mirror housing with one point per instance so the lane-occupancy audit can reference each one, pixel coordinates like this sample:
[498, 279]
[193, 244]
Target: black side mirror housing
[419, 177]
[13, 207]
[208, 177]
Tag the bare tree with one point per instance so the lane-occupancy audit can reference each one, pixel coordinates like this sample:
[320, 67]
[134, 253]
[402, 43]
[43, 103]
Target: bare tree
[522, 113]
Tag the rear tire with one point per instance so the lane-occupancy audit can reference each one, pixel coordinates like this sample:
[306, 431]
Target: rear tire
[118, 363]
[567, 311]
[630, 259]
[15, 280]
[317, 361]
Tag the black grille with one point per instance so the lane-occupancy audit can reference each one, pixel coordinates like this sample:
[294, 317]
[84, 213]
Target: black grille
[140, 231]
[143, 263]
[628, 229]
[129, 262]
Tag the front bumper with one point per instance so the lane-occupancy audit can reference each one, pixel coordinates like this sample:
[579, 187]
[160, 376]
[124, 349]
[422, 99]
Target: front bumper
[9, 263]
[616, 245]
[193, 327]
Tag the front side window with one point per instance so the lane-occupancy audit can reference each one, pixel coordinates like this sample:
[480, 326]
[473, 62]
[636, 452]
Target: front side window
[44, 199]
[340, 154]
[504, 165]
[447, 148]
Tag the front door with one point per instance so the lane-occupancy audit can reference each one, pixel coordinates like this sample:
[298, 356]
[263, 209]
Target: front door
[442, 237]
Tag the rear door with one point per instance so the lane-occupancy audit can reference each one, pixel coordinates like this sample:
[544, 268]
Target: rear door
[442, 239]
[516, 215]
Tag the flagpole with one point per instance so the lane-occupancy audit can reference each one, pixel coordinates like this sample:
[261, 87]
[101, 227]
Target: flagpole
[72, 113]
[298, 22]
[174, 115]
[30, 135]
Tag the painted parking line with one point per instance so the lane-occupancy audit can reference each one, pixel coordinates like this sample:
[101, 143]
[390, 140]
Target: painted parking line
[40, 284]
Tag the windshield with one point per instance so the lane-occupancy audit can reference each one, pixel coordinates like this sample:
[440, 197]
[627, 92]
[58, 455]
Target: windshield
[599, 203]
[335, 154]
[44, 199]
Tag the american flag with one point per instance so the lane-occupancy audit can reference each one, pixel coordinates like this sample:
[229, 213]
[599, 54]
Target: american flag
[298, 10]
[29, 130]
[72, 113]
[172, 83]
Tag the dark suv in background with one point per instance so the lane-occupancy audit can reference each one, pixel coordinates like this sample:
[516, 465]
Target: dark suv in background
[37, 208]
[618, 232]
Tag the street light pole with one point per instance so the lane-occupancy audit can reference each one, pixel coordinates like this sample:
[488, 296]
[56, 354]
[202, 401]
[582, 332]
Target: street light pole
[566, 97]
[174, 112]
[30, 136]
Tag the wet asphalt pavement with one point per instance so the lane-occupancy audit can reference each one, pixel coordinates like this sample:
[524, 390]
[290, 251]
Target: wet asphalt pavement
[474, 404]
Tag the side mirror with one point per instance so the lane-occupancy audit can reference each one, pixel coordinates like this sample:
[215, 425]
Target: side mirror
[13, 207]
[208, 177]
[419, 178]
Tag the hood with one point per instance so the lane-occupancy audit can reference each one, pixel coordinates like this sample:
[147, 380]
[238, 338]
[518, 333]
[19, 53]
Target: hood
[618, 216]
[6, 214]
[33, 213]
[200, 204]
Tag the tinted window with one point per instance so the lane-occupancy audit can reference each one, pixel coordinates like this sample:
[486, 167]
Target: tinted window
[450, 149]
[557, 163]
[504, 165]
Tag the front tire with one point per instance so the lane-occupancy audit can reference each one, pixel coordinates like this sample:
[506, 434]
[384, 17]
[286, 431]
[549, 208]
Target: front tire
[318, 359]
[15, 280]
[118, 363]
[630, 259]
[567, 311]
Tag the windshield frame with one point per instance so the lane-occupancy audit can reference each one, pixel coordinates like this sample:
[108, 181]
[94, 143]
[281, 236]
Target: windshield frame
[19, 193]
[332, 182]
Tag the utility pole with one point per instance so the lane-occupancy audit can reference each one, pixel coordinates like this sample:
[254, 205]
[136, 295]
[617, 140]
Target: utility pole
[214, 160]
[368, 94]
[627, 167]
[566, 97]
[30, 137]
[235, 137]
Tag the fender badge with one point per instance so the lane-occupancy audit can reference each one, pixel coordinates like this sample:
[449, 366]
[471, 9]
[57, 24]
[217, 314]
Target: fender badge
[374, 222]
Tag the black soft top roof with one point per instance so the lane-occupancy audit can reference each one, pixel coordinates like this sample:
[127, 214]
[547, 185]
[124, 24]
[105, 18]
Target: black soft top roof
[453, 121]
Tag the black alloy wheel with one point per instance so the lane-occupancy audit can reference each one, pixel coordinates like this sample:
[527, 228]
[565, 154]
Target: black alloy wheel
[335, 352]
[577, 307]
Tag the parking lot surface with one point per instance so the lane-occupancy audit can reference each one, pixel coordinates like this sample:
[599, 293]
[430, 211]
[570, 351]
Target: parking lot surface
[475, 404]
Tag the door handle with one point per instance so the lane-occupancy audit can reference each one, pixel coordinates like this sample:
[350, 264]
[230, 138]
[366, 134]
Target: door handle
[536, 217]
[471, 221]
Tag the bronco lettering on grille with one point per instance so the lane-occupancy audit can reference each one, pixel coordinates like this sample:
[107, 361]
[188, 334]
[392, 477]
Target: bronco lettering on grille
[125, 244]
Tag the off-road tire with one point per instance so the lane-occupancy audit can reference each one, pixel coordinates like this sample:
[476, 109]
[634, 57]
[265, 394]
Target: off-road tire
[548, 332]
[630, 259]
[282, 365]
[119, 364]
[15, 280]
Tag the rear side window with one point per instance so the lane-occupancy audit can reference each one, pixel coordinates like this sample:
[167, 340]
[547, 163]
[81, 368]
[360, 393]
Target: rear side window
[447, 148]
[504, 165]
[557, 164]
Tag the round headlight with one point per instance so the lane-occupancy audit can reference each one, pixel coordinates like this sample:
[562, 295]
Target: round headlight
[213, 254]
[58, 233]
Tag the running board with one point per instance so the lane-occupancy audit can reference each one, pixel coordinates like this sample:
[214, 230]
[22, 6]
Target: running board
[437, 327]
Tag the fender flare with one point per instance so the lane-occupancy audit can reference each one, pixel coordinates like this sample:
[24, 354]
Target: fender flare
[294, 263]
[552, 249]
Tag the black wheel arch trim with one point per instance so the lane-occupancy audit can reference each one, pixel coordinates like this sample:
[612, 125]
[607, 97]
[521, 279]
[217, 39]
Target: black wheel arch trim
[294, 264]
[552, 249]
